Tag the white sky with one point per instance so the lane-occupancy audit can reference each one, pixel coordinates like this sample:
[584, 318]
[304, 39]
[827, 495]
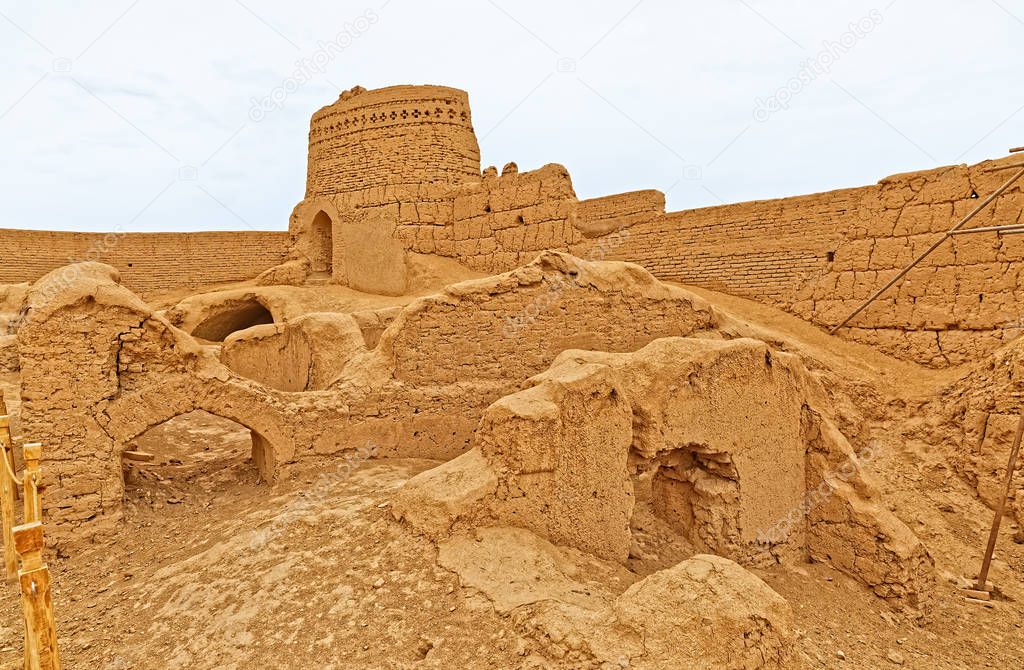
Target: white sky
[106, 107]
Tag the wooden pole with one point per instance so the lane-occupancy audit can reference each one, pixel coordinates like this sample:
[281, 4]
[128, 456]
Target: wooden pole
[993, 535]
[31, 479]
[31, 454]
[37, 600]
[984, 203]
[8, 486]
[1008, 228]
[1008, 166]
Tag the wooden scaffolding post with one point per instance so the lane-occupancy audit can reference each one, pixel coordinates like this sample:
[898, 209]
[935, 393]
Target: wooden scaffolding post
[993, 535]
[32, 480]
[36, 599]
[927, 252]
[8, 489]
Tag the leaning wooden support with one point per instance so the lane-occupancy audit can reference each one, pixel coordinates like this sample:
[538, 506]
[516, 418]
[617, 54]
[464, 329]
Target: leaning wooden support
[1005, 229]
[986, 562]
[40, 629]
[8, 484]
[981, 206]
[1008, 166]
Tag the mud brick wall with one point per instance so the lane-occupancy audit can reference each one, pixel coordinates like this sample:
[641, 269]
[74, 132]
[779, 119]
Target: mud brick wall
[509, 327]
[818, 256]
[600, 216]
[962, 302]
[148, 262]
[763, 250]
[499, 223]
[9, 354]
[493, 224]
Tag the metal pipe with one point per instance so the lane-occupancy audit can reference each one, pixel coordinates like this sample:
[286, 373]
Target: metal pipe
[982, 205]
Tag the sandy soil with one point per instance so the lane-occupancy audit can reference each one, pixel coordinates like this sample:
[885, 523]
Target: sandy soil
[215, 570]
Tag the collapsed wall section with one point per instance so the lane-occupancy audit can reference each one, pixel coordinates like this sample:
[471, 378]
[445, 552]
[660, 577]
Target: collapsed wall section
[753, 468]
[444, 358]
[510, 326]
[100, 368]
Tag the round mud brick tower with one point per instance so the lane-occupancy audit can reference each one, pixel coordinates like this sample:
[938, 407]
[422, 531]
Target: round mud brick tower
[392, 136]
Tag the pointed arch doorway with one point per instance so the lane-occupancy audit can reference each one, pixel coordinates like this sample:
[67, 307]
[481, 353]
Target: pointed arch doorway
[322, 252]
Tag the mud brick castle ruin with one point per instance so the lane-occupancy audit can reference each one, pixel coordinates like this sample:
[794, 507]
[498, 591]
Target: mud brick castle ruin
[569, 384]
[396, 171]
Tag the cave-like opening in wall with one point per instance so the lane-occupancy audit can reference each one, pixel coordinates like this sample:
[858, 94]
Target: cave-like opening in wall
[232, 317]
[322, 235]
[193, 458]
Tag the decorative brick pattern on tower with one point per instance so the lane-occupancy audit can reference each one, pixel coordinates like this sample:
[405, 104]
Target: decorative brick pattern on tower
[393, 135]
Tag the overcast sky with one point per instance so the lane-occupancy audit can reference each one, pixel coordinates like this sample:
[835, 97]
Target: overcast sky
[149, 116]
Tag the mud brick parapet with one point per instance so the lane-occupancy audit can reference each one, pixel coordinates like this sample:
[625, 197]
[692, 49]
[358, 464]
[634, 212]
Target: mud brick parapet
[147, 262]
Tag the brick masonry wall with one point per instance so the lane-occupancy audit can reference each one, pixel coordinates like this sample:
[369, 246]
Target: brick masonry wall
[818, 256]
[814, 255]
[512, 326]
[499, 223]
[763, 250]
[148, 262]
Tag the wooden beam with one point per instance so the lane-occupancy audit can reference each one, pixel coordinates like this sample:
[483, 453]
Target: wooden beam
[1009, 228]
[142, 456]
[37, 600]
[8, 487]
[993, 535]
[1004, 167]
[32, 481]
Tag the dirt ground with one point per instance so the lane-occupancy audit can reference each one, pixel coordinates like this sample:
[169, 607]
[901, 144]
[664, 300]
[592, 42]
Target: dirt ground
[213, 569]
